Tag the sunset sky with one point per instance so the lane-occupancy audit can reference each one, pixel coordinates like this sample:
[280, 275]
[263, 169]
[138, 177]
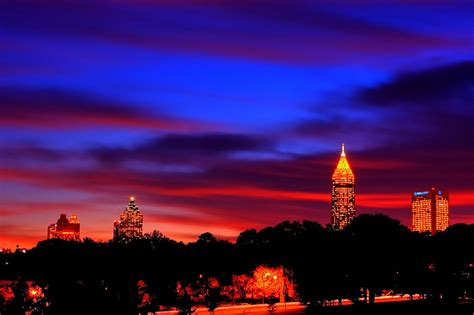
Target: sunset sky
[225, 115]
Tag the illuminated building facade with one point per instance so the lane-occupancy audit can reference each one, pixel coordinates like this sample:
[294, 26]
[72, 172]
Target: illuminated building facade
[64, 228]
[130, 223]
[430, 210]
[343, 194]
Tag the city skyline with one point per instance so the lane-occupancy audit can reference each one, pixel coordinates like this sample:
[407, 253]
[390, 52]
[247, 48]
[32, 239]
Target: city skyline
[429, 210]
[225, 116]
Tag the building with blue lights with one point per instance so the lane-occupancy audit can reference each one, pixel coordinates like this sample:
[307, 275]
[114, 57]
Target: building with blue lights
[430, 210]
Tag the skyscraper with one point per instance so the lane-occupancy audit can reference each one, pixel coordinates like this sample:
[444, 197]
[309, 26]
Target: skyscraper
[65, 229]
[130, 223]
[430, 210]
[343, 194]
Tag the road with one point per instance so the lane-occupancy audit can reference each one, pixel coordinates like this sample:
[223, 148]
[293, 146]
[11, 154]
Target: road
[281, 308]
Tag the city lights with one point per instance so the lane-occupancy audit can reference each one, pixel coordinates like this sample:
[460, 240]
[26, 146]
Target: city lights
[130, 223]
[430, 211]
[64, 228]
[343, 194]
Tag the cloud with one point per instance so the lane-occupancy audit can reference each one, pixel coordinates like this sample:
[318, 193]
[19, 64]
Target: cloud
[179, 148]
[427, 112]
[50, 108]
[446, 83]
[269, 31]
[30, 151]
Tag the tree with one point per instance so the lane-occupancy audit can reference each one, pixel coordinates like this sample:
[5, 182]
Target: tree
[267, 281]
[242, 285]
[213, 297]
[374, 253]
[379, 243]
[206, 238]
[185, 304]
[20, 302]
[272, 304]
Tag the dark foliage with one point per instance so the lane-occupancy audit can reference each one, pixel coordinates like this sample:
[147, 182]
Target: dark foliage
[374, 254]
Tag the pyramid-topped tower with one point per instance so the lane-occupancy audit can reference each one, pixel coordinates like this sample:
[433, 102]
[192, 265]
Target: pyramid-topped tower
[343, 194]
[343, 170]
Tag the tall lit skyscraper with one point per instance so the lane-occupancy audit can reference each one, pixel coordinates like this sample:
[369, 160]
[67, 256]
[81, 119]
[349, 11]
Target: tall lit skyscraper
[65, 229]
[430, 210]
[130, 223]
[343, 194]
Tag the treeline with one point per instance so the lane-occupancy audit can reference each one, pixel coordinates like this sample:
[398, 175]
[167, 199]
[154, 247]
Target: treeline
[374, 255]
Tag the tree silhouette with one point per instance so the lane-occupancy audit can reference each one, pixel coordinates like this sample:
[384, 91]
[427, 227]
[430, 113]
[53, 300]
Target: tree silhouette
[379, 241]
[185, 304]
[374, 253]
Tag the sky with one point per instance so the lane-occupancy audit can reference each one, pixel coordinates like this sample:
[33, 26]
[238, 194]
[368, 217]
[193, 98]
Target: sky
[225, 115]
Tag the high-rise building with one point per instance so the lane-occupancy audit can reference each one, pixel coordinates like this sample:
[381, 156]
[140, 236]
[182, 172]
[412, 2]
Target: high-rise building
[64, 228]
[343, 194]
[430, 210]
[130, 223]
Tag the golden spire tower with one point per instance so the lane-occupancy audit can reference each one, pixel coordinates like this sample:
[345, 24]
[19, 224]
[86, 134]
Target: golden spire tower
[343, 194]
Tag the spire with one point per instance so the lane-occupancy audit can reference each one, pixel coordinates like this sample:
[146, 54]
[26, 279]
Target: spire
[131, 204]
[343, 170]
[343, 193]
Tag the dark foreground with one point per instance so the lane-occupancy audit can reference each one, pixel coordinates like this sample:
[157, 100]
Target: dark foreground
[398, 308]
